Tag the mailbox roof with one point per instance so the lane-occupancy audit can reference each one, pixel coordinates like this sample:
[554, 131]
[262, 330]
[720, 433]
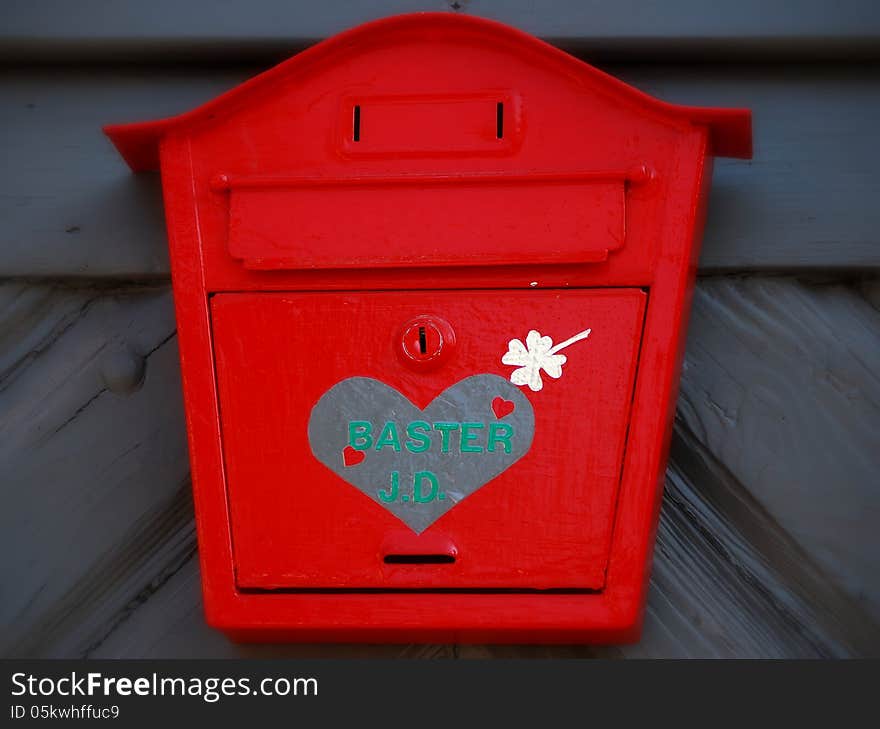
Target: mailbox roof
[729, 129]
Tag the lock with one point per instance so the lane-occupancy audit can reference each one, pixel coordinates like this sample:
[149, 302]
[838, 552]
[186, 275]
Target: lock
[426, 342]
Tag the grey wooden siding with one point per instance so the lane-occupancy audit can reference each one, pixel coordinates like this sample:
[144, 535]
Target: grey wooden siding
[805, 202]
[199, 29]
[768, 542]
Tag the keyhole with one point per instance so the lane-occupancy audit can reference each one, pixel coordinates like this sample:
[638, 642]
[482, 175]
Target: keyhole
[356, 124]
[422, 340]
[425, 341]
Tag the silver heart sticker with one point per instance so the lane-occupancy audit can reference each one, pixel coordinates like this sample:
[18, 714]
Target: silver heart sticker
[419, 464]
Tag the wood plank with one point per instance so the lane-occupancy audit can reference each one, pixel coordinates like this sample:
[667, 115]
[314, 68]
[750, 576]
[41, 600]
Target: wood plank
[806, 199]
[171, 624]
[71, 207]
[93, 464]
[129, 30]
[780, 383]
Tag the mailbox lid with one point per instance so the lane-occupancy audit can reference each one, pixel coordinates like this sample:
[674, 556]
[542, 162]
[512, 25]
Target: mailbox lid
[424, 220]
[296, 369]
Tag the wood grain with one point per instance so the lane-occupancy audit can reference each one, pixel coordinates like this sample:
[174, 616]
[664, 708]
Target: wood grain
[171, 624]
[92, 480]
[780, 383]
[128, 30]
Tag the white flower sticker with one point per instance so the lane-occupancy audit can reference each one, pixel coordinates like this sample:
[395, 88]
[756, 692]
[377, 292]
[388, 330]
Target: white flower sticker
[538, 353]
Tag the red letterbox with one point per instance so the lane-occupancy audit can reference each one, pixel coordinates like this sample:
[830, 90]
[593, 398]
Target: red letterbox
[432, 280]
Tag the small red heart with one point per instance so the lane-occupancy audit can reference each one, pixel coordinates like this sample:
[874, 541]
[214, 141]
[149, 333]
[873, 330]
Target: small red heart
[502, 407]
[351, 456]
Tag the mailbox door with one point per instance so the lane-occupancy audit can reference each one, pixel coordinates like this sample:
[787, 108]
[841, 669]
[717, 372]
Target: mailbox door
[351, 464]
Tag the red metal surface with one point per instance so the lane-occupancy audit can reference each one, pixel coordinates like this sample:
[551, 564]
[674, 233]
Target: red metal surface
[418, 220]
[498, 200]
[296, 524]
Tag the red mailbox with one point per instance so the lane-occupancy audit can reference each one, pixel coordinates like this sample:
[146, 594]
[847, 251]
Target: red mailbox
[432, 279]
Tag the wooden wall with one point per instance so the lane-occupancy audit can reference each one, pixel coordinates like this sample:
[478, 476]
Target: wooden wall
[769, 543]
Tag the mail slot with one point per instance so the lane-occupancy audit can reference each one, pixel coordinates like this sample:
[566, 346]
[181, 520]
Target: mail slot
[431, 326]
